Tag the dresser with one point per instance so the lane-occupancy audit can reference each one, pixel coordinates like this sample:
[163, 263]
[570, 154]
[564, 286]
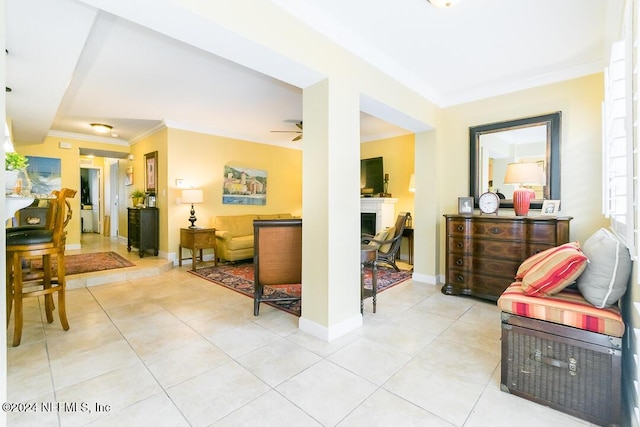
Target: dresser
[484, 252]
[143, 227]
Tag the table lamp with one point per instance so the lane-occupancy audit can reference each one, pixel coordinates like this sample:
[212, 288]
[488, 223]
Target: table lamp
[192, 196]
[521, 174]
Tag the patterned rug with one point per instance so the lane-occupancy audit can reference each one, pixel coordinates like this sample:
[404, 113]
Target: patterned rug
[239, 277]
[87, 263]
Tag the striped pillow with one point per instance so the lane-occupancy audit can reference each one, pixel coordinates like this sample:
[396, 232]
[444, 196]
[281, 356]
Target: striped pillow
[534, 259]
[555, 271]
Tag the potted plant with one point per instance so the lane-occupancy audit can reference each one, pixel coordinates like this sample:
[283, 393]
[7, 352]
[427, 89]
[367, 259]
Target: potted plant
[137, 197]
[13, 164]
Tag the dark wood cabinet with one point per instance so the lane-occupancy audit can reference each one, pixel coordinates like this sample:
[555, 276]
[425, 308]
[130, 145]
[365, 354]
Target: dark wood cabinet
[143, 226]
[483, 253]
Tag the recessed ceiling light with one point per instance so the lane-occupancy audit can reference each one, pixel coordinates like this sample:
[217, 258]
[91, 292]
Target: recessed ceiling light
[101, 128]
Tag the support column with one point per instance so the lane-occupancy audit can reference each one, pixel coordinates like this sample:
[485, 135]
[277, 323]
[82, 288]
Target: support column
[331, 210]
[426, 219]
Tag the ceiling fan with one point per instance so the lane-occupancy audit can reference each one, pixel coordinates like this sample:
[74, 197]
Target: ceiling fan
[298, 123]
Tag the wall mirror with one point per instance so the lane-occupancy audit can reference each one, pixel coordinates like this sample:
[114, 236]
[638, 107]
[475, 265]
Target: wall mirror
[531, 140]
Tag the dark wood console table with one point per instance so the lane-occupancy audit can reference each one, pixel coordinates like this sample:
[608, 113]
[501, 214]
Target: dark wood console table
[196, 239]
[143, 230]
[408, 233]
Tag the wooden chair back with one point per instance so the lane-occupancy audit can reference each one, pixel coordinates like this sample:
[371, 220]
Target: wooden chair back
[277, 258]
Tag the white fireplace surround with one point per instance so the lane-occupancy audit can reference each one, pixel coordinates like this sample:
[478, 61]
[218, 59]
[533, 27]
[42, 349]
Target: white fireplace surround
[383, 207]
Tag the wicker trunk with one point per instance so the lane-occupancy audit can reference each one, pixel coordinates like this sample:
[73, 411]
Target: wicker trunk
[572, 370]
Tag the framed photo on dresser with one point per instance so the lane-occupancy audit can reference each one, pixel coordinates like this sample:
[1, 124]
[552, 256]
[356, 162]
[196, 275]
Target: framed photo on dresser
[550, 207]
[465, 205]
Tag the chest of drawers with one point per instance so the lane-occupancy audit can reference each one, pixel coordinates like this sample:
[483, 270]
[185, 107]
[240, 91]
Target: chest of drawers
[483, 253]
[143, 230]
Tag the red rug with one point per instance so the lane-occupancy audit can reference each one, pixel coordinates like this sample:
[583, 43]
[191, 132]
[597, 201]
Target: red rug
[87, 263]
[239, 277]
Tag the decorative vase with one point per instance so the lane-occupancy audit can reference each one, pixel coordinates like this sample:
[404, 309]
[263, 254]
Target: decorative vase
[522, 199]
[137, 201]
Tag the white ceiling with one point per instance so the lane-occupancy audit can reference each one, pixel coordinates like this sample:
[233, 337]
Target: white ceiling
[71, 64]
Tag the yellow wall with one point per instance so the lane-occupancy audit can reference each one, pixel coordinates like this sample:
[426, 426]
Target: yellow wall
[70, 171]
[579, 100]
[398, 161]
[155, 142]
[199, 160]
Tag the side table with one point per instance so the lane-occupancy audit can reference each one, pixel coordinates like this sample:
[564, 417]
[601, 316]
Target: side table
[408, 233]
[368, 256]
[196, 239]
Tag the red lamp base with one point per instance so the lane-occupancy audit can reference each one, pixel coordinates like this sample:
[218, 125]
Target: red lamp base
[521, 200]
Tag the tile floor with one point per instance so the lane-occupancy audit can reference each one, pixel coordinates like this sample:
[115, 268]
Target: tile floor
[174, 350]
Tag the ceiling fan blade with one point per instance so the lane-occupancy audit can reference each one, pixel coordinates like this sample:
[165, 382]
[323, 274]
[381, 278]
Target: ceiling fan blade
[297, 138]
[299, 125]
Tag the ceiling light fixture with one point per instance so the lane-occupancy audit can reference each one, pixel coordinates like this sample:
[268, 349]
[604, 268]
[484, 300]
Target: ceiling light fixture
[443, 3]
[101, 128]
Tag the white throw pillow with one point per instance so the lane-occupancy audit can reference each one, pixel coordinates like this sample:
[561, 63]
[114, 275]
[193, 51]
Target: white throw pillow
[604, 280]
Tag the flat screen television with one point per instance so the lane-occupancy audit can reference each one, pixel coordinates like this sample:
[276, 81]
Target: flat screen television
[371, 177]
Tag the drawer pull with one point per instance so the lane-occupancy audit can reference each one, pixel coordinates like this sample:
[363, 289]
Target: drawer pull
[459, 261]
[460, 245]
[460, 278]
[461, 228]
[495, 230]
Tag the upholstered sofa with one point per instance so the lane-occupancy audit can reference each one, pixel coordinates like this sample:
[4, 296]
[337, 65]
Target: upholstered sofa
[234, 235]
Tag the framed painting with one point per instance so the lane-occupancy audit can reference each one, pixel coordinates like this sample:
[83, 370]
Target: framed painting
[151, 172]
[128, 178]
[243, 186]
[44, 175]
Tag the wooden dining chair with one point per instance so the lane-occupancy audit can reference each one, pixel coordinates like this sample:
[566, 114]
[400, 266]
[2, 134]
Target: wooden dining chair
[26, 243]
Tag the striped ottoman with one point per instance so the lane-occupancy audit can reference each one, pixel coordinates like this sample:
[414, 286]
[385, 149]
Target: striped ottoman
[562, 352]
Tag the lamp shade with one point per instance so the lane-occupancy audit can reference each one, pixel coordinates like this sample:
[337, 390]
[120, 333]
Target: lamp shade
[192, 196]
[412, 183]
[525, 173]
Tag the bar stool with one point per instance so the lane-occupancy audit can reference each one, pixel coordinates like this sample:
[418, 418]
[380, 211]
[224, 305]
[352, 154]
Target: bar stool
[23, 243]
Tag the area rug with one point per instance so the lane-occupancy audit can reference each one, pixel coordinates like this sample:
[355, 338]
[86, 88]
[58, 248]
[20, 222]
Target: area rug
[239, 277]
[87, 263]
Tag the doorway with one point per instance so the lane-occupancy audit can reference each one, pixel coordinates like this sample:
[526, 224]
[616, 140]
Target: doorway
[90, 199]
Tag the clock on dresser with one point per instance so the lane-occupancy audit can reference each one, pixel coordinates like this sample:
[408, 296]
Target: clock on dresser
[484, 252]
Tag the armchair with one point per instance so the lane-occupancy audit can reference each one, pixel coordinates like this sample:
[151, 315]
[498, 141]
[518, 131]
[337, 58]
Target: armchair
[277, 259]
[389, 248]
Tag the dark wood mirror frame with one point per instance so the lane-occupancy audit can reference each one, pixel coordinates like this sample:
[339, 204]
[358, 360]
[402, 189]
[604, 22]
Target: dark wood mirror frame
[552, 188]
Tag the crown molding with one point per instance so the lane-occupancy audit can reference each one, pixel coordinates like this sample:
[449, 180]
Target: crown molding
[85, 137]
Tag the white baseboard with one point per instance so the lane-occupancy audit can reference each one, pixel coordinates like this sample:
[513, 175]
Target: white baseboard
[328, 334]
[425, 278]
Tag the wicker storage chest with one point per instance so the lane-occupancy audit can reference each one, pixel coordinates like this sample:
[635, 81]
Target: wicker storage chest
[566, 368]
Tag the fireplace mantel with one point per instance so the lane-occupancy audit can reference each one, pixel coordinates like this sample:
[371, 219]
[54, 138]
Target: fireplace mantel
[383, 207]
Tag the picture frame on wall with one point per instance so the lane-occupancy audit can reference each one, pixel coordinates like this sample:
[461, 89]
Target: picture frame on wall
[465, 205]
[151, 172]
[550, 207]
[128, 179]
